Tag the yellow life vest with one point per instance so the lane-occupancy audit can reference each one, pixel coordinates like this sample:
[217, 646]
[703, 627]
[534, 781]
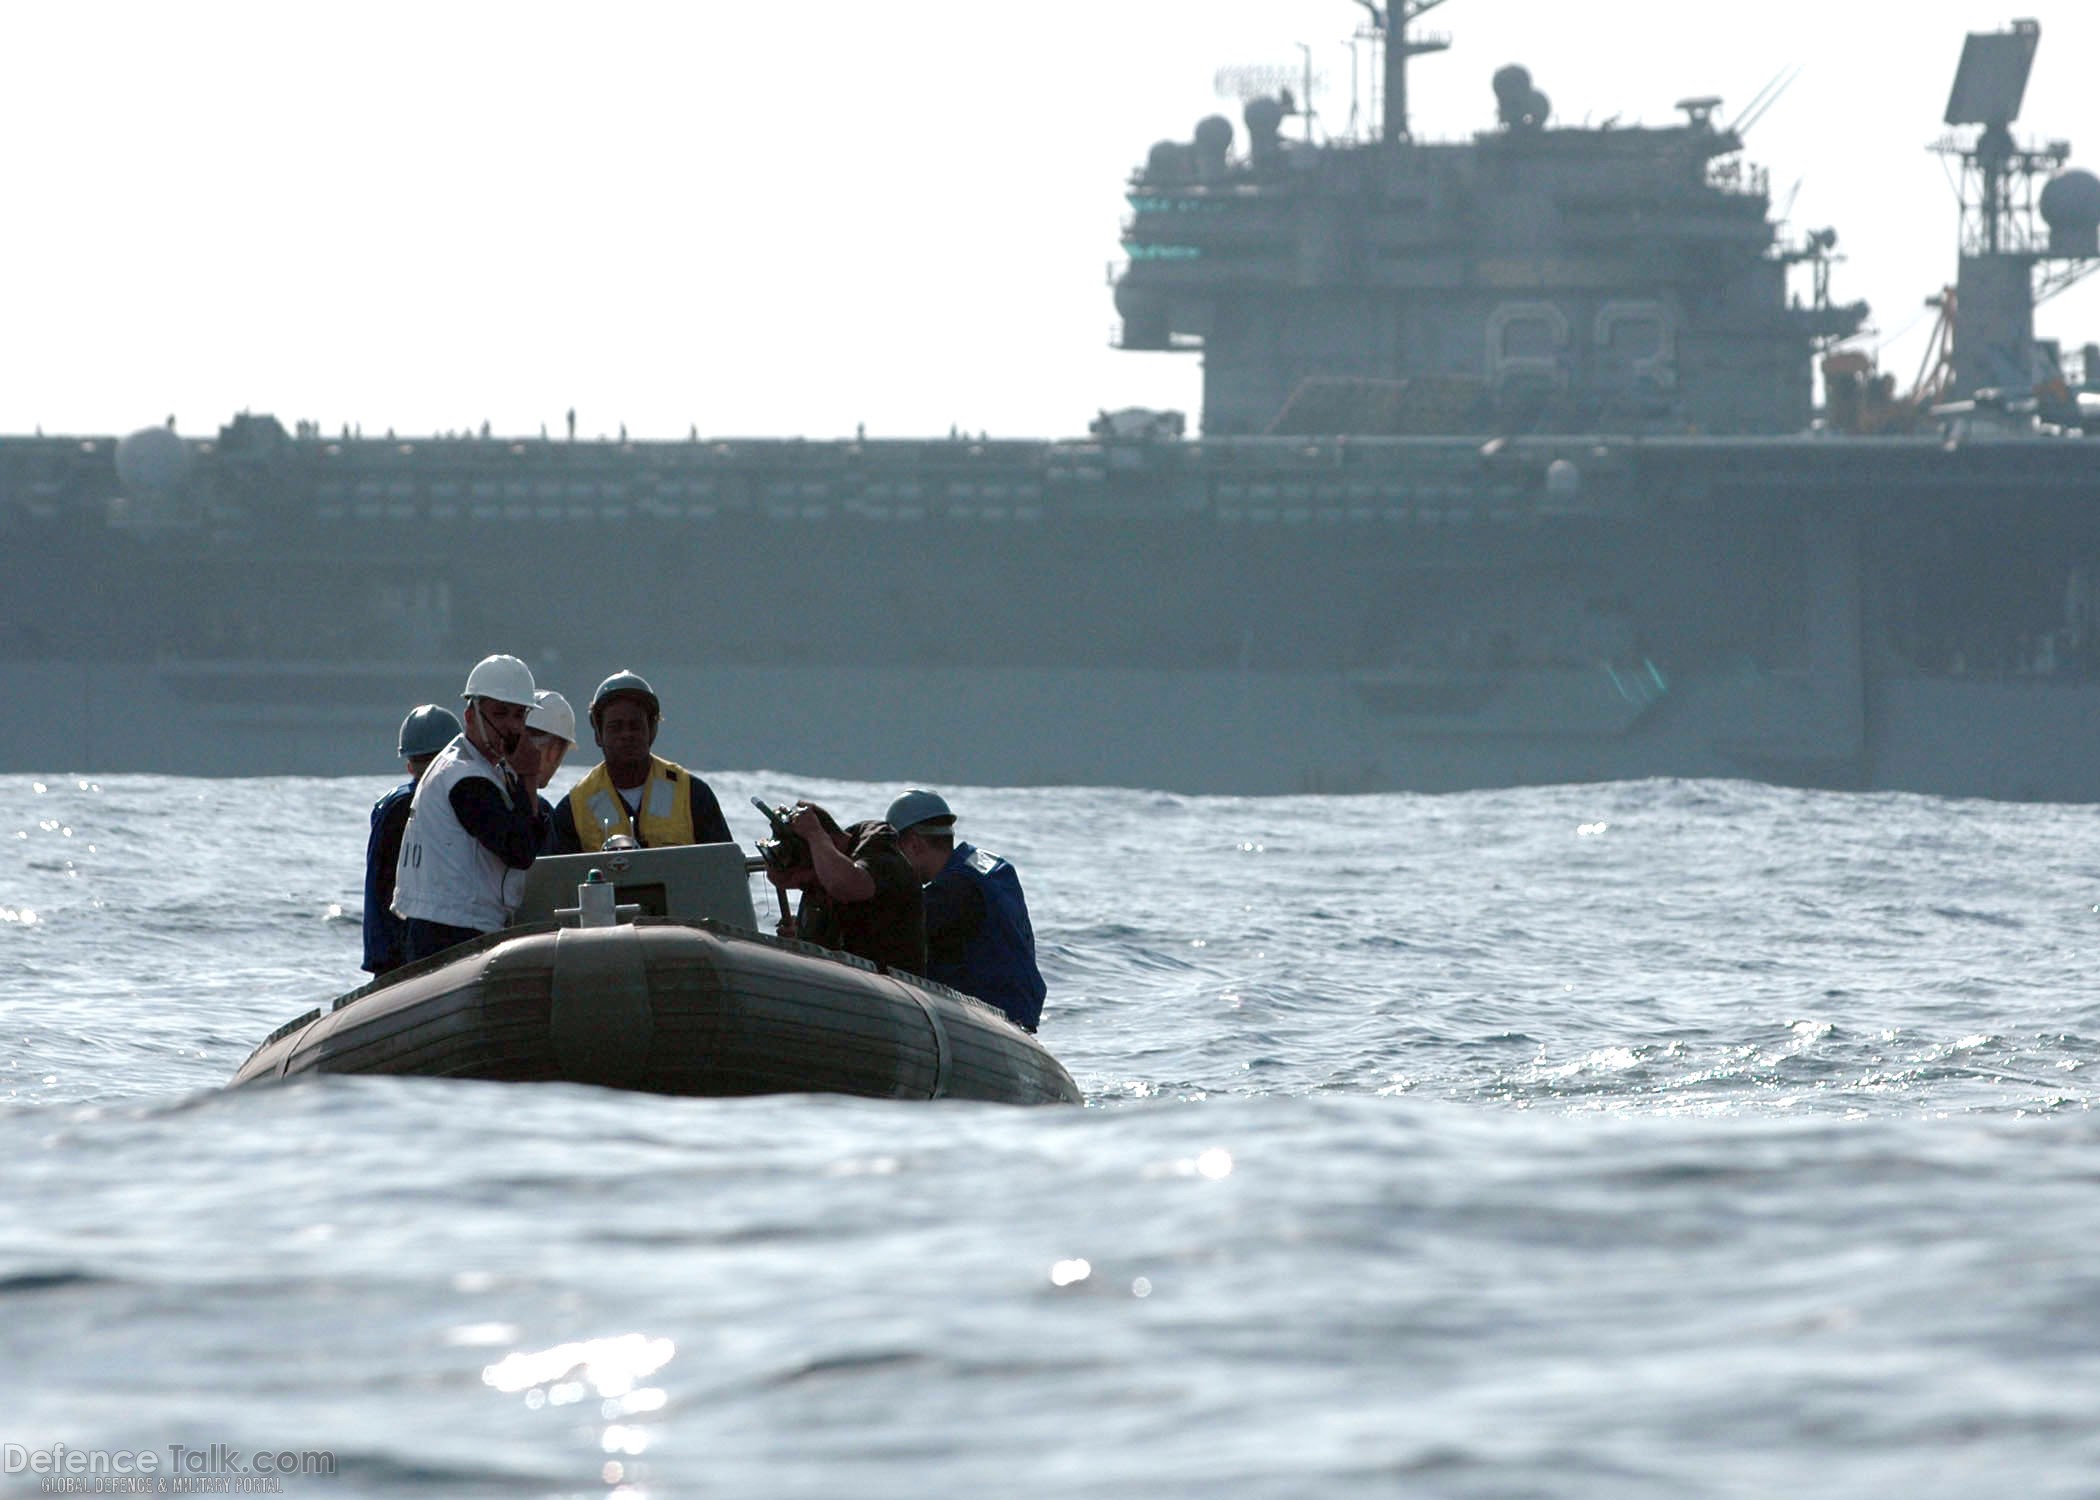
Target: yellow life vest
[667, 808]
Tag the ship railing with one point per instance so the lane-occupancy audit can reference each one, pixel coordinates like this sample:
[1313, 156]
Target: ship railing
[1736, 177]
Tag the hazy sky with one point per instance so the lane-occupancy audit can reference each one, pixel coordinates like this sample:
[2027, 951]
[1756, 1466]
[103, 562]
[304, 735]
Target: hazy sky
[782, 219]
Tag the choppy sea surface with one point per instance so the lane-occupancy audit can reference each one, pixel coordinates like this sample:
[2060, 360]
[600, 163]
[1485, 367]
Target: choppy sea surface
[1656, 1139]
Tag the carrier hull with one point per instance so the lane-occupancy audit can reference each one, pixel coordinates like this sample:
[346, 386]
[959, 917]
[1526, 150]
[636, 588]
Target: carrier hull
[1219, 731]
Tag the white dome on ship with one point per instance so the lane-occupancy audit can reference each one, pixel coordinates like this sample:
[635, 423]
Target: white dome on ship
[2070, 205]
[151, 461]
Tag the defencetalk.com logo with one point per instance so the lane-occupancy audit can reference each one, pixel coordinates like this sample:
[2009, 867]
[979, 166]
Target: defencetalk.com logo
[178, 1469]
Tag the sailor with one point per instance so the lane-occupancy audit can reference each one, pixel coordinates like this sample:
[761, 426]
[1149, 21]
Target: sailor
[552, 726]
[425, 732]
[476, 815]
[978, 937]
[633, 791]
[859, 894]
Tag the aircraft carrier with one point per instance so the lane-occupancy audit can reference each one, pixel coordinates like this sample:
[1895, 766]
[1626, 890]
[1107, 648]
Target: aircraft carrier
[1510, 469]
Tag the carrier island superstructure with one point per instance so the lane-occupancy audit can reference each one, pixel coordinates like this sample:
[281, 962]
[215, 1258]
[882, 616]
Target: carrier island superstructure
[1510, 469]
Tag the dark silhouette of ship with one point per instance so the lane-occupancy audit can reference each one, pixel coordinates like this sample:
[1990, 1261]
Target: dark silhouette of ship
[1508, 471]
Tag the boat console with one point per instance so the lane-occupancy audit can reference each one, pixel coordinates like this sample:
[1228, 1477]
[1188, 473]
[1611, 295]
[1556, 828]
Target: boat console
[687, 882]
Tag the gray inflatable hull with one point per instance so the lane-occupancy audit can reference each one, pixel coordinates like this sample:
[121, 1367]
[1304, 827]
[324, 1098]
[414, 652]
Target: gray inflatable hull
[670, 1007]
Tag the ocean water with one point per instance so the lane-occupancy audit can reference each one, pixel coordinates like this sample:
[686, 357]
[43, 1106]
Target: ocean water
[1658, 1139]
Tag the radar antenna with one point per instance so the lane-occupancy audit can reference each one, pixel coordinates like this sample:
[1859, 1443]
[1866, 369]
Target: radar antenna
[2003, 194]
[1767, 96]
[1988, 90]
[1248, 81]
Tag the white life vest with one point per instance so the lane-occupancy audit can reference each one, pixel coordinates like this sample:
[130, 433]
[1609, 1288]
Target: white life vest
[445, 874]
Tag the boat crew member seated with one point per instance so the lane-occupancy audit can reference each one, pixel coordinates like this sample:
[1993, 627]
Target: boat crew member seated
[859, 893]
[632, 791]
[552, 726]
[475, 817]
[978, 936]
[425, 732]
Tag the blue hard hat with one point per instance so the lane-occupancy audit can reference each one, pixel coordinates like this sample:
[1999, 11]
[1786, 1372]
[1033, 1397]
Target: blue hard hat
[919, 806]
[426, 731]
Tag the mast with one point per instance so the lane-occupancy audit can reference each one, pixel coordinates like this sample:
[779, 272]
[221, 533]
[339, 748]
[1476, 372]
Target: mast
[1399, 15]
[1994, 290]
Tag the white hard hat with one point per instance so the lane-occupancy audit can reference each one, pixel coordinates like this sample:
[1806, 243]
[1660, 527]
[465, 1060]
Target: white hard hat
[503, 678]
[551, 714]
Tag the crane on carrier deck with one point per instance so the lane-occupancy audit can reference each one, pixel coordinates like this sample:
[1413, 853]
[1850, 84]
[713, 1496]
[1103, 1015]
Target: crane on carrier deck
[1859, 399]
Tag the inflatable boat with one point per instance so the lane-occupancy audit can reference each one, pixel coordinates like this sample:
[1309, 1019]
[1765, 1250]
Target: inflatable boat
[644, 969]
